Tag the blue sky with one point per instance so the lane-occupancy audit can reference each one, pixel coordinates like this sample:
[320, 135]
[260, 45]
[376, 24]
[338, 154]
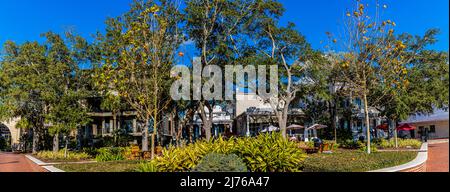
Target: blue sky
[25, 20]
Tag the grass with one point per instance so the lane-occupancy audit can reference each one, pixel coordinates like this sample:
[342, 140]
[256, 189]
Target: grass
[355, 161]
[114, 166]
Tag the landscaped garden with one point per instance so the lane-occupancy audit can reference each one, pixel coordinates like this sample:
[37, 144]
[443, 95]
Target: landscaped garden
[264, 153]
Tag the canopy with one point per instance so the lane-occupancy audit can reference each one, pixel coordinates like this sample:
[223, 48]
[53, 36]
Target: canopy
[270, 129]
[295, 127]
[406, 127]
[383, 126]
[317, 126]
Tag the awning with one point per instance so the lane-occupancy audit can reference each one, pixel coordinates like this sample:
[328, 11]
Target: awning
[270, 129]
[406, 127]
[295, 127]
[317, 126]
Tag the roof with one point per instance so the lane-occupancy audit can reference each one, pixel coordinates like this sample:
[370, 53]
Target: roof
[438, 115]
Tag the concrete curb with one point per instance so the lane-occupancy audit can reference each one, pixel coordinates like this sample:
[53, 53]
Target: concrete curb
[52, 169]
[44, 165]
[37, 161]
[419, 161]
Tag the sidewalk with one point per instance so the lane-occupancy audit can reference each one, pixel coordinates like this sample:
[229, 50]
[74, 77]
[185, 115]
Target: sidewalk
[438, 159]
[10, 162]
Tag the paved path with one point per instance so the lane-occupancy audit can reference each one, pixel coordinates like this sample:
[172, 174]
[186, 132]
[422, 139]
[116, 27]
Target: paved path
[10, 162]
[437, 156]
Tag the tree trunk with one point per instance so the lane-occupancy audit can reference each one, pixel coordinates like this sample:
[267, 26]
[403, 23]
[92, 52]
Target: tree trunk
[207, 127]
[56, 142]
[155, 131]
[145, 136]
[36, 136]
[366, 115]
[65, 147]
[395, 133]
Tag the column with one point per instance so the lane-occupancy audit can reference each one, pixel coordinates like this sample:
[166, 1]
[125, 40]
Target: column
[134, 126]
[111, 126]
[94, 129]
[103, 127]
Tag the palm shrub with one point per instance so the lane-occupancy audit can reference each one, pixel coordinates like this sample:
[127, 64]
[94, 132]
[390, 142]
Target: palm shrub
[150, 166]
[265, 153]
[215, 162]
[111, 154]
[270, 153]
[181, 159]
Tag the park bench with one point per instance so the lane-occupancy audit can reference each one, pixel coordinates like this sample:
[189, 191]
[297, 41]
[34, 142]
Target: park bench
[135, 152]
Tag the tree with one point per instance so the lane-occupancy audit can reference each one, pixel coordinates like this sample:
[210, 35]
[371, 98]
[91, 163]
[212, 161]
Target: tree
[373, 57]
[22, 69]
[297, 62]
[427, 81]
[215, 27]
[63, 91]
[139, 52]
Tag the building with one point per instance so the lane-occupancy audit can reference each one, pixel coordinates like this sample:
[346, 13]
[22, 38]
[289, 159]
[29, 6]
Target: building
[253, 115]
[436, 123]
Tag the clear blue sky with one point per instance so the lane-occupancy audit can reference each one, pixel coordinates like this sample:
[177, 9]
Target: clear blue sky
[25, 20]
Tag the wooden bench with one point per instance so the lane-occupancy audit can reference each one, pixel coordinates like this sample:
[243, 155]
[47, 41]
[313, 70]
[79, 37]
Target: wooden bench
[135, 152]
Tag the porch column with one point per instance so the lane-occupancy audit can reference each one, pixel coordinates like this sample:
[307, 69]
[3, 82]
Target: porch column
[103, 127]
[94, 129]
[111, 126]
[134, 126]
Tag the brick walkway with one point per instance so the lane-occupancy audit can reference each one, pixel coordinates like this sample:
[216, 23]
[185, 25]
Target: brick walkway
[10, 162]
[438, 157]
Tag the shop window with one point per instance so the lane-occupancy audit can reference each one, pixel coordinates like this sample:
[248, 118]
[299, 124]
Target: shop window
[432, 129]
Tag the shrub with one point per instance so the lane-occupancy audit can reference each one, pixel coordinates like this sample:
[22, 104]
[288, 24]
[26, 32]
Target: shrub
[93, 152]
[56, 156]
[265, 153]
[270, 153]
[215, 162]
[351, 144]
[402, 143]
[150, 166]
[373, 148]
[111, 154]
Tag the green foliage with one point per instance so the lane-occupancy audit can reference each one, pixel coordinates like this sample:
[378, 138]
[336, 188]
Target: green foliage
[351, 144]
[215, 162]
[373, 148]
[93, 152]
[402, 143]
[111, 154]
[269, 153]
[265, 153]
[150, 167]
[60, 155]
[354, 161]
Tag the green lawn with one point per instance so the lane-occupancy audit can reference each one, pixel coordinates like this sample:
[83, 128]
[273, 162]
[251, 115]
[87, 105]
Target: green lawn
[116, 166]
[355, 161]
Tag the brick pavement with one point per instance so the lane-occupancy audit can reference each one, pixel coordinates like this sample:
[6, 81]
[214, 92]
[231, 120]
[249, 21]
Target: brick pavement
[10, 162]
[438, 157]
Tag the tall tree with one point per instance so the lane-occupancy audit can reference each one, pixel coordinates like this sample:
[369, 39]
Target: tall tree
[373, 57]
[297, 63]
[63, 91]
[22, 70]
[139, 52]
[215, 26]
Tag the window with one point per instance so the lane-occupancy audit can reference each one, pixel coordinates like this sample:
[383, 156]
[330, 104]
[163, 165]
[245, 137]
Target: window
[432, 129]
